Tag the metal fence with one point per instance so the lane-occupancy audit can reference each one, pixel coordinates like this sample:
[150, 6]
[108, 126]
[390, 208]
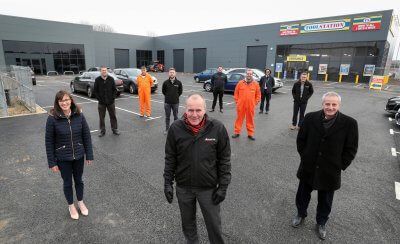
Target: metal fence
[16, 91]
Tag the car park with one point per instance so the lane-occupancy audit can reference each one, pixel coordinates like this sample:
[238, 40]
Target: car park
[129, 76]
[257, 74]
[393, 105]
[85, 83]
[233, 79]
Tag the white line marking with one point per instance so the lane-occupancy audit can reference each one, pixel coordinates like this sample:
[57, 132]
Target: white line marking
[358, 85]
[397, 189]
[390, 119]
[153, 118]
[93, 131]
[394, 153]
[391, 131]
[84, 98]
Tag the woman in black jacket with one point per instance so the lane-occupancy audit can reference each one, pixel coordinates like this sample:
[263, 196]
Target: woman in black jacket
[68, 140]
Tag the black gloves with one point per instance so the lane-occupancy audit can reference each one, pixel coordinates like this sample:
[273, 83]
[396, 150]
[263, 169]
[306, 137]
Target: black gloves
[219, 194]
[169, 192]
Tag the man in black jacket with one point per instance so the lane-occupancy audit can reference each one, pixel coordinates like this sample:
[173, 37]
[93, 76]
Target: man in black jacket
[267, 82]
[197, 157]
[172, 90]
[302, 91]
[105, 92]
[327, 143]
[218, 81]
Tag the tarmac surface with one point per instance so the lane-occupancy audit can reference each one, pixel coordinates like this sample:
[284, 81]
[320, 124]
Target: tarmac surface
[124, 185]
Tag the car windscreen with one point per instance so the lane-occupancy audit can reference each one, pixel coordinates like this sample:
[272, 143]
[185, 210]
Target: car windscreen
[133, 72]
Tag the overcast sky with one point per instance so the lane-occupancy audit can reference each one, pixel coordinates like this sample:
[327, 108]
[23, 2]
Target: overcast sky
[156, 17]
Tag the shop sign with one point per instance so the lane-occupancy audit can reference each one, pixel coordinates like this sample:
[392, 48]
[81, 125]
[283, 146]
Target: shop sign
[322, 69]
[369, 70]
[367, 23]
[376, 82]
[332, 25]
[344, 69]
[296, 58]
[278, 67]
[289, 30]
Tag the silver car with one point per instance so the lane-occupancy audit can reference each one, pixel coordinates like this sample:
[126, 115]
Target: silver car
[257, 74]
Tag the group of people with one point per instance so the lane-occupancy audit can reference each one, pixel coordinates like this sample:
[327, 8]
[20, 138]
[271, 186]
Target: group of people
[197, 148]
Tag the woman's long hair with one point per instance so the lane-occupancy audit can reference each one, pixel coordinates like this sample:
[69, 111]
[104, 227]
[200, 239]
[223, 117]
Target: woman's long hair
[57, 111]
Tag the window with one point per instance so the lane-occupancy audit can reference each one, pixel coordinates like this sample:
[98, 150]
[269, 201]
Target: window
[161, 56]
[143, 58]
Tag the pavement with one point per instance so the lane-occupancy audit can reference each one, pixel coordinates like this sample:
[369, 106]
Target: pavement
[124, 185]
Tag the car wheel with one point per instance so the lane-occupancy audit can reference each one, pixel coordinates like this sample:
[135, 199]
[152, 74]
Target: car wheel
[132, 88]
[197, 79]
[274, 89]
[89, 92]
[208, 87]
[72, 88]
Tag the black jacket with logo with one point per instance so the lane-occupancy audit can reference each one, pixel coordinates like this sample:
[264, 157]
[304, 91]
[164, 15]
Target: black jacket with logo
[172, 92]
[105, 90]
[307, 92]
[218, 80]
[201, 160]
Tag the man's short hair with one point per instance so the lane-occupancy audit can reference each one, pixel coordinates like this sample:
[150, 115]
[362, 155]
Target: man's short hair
[103, 67]
[197, 95]
[143, 67]
[265, 71]
[331, 94]
[304, 73]
[248, 69]
[171, 69]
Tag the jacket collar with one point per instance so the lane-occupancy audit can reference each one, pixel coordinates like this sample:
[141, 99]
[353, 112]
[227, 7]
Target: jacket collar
[339, 123]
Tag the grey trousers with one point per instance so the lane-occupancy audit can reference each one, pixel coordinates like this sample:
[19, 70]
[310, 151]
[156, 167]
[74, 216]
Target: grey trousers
[187, 198]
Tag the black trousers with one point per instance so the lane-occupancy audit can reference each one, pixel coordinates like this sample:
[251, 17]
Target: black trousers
[296, 107]
[265, 96]
[111, 112]
[69, 170]
[187, 198]
[218, 92]
[168, 107]
[325, 199]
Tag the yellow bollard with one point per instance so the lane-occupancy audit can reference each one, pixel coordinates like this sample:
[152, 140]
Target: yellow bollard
[357, 77]
[279, 75]
[340, 78]
[326, 77]
[308, 76]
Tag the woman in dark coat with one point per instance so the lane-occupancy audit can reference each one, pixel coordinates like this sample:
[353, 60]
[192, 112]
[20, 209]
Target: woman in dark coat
[68, 141]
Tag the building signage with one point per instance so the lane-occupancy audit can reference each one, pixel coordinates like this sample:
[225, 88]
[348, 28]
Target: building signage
[332, 25]
[344, 69]
[278, 67]
[369, 70]
[296, 58]
[289, 30]
[376, 82]
[367, 23]
[322, 69]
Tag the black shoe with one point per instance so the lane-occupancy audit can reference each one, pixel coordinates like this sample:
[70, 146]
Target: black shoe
[260, 112]
[212, 110]
[221, 110]
[102, 134]
[321, 231]
[251, 138]
[235, 135]
[116, 132]
[297, 221]
[266, 112]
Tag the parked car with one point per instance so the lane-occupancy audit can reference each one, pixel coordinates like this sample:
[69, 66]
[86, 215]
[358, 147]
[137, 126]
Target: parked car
[233, 79]
[128, 77]
[156, 67]
[85, 83]
[204, 75]
[397, 117]
[98, 69]
[257, 74]
[393, 105]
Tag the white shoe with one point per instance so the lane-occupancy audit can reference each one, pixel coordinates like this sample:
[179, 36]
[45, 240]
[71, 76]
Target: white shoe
[83, 208]
[73, 213]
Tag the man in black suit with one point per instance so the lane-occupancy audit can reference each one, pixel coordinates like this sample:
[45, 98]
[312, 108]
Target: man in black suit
[302, 91]
[327, 143]
[267, 82]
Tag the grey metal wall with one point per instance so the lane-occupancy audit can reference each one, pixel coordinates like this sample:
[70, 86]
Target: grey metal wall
[228, 47]
[199, 59]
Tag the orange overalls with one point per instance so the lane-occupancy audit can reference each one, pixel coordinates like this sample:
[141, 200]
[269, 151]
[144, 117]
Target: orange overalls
[144, 85]
[247, 96]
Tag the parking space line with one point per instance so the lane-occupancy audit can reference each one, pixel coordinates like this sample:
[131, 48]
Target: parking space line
[153, 118]
[394, 152]
[397, 190]
[390, 119]
[93, 131]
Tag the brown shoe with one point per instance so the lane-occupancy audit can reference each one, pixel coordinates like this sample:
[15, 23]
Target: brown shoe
[292, 127]
[73, 212]
[83, 208]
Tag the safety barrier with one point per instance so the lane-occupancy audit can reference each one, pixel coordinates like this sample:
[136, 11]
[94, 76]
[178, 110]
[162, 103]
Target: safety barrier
[52, 73]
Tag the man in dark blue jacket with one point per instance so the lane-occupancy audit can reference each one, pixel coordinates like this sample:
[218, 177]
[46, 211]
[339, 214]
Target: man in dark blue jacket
[267, 82]
[218, 81]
